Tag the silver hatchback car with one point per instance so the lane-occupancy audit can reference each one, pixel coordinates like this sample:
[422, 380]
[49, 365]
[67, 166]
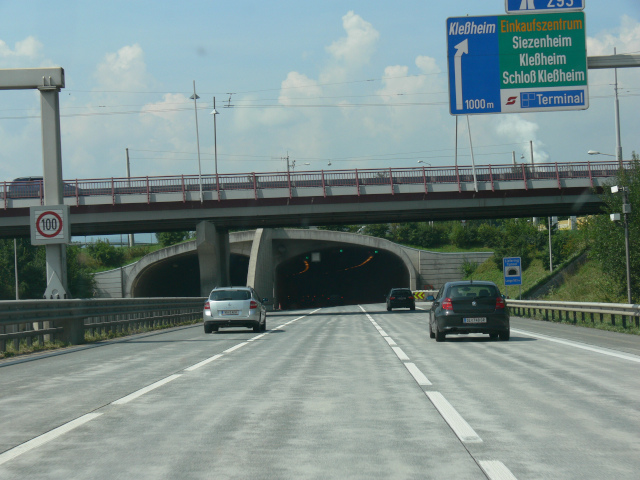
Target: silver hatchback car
[234, 307]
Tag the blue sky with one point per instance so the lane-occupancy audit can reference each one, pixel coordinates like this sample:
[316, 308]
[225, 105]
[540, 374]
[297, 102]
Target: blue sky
[360, 84]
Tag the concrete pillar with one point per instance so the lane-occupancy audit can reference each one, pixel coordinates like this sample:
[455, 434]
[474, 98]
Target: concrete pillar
[212, 244]
[261, 274]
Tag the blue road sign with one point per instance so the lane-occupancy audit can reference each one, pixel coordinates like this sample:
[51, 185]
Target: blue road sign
[548, 6]
[517, 63]
[512, 271]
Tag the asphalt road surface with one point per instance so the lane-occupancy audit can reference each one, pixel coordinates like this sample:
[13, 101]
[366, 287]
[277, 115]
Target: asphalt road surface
[343, 392]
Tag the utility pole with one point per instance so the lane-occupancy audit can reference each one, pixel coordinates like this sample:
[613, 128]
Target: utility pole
[131, 239]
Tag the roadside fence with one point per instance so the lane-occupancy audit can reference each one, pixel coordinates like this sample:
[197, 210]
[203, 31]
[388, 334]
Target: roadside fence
[68, 320]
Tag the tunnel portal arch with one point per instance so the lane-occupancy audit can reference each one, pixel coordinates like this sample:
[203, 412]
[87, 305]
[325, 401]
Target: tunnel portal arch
[343, 274]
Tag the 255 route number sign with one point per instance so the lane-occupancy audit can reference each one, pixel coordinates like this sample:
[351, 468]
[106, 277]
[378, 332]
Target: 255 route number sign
[535, 6]
[50, 224]
[517, 63]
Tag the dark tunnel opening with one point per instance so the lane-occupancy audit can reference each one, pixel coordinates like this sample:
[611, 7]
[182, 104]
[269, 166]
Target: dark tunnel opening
[345, 275]
[180, 277]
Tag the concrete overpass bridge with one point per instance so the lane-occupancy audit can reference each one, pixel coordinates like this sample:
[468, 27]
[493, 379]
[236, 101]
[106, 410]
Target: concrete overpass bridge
[270, 200]
[292, 267]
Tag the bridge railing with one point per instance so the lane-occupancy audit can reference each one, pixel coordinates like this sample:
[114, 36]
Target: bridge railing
[355, 178]
[68, 320]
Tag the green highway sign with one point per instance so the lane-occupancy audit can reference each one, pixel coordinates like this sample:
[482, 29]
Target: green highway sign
[517, 63]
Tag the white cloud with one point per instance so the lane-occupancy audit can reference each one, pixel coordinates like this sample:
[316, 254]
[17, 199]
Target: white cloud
[626, 39]
[358, 46]
[123, 70]
[30, 48]
[516, 129]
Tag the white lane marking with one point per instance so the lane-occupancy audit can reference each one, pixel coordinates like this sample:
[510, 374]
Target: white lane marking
[390, 341]
[202, 363]
[144, 390]
[46, 437]
[400, 353]
[417, 374]
[460, 427]
[382, 332]
[235, 347]
[256, 338]
[603, 351]
[496, 470]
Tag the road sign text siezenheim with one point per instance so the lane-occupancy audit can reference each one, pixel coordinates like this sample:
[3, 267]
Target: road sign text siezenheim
[515, 63]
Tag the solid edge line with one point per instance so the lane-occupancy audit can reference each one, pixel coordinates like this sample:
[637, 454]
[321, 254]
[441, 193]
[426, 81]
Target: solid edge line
[142, 391]
[583, 346]
[460, 427]
[496, 470]
[203, 363]
[46, 437]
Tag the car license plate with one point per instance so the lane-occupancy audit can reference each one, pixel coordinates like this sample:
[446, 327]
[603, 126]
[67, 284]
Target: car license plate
[475, 320]
[229, 312]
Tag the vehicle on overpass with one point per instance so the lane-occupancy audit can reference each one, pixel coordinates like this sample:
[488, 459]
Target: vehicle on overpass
[234, 307]
[468, 307]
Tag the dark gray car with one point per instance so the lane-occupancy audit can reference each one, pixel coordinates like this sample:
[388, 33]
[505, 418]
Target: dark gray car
[469, 307]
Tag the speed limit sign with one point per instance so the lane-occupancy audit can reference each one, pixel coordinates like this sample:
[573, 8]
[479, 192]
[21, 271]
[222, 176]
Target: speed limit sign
[49, 224]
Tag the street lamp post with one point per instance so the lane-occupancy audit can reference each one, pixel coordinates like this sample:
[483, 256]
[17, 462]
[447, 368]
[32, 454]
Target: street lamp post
[195, 97]
[215, 142]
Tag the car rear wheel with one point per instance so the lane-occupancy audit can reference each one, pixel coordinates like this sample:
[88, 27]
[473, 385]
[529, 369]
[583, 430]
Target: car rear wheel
[208, 328]
[504, 336]
[264, 324]
[413, 307]
[440, 336]
[493, 336]
[431, 334]
[388, 309]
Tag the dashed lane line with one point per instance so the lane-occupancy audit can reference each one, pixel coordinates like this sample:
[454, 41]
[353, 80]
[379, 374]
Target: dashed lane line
[142, 391]
[46, 437]
[496, 470]
[460, 427]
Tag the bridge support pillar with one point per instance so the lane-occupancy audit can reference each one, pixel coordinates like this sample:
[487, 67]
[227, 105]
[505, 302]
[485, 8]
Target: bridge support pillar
[261, 274]
[212, 244]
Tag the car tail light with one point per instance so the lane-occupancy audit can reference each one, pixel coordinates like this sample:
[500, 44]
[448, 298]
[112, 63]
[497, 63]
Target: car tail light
[410, 297]
[392, 298]
[500, 304]
[253, 305]
[207, 306]
[446, 304]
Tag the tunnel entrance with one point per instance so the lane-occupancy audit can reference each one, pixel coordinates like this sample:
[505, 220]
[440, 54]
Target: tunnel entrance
[180, 277]
[341, 275]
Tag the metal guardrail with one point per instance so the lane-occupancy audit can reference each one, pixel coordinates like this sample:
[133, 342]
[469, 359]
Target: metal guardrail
[571, 310]
[68, 320]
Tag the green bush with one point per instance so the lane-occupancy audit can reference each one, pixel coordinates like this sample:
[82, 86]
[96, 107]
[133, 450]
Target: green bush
[106, 254]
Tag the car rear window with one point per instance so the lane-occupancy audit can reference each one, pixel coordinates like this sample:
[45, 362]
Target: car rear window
[230, 295]
[402, 291]
[463, 291]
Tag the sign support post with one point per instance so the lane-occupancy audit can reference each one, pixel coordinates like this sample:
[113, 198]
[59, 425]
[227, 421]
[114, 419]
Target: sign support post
[48, 81]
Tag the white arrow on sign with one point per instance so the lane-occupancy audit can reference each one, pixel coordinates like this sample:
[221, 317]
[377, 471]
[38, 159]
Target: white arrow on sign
[462, 48]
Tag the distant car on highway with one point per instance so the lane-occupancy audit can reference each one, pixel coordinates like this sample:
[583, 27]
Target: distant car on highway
[234, 307]
[30, 187]
[468, 307]
[401, 298]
